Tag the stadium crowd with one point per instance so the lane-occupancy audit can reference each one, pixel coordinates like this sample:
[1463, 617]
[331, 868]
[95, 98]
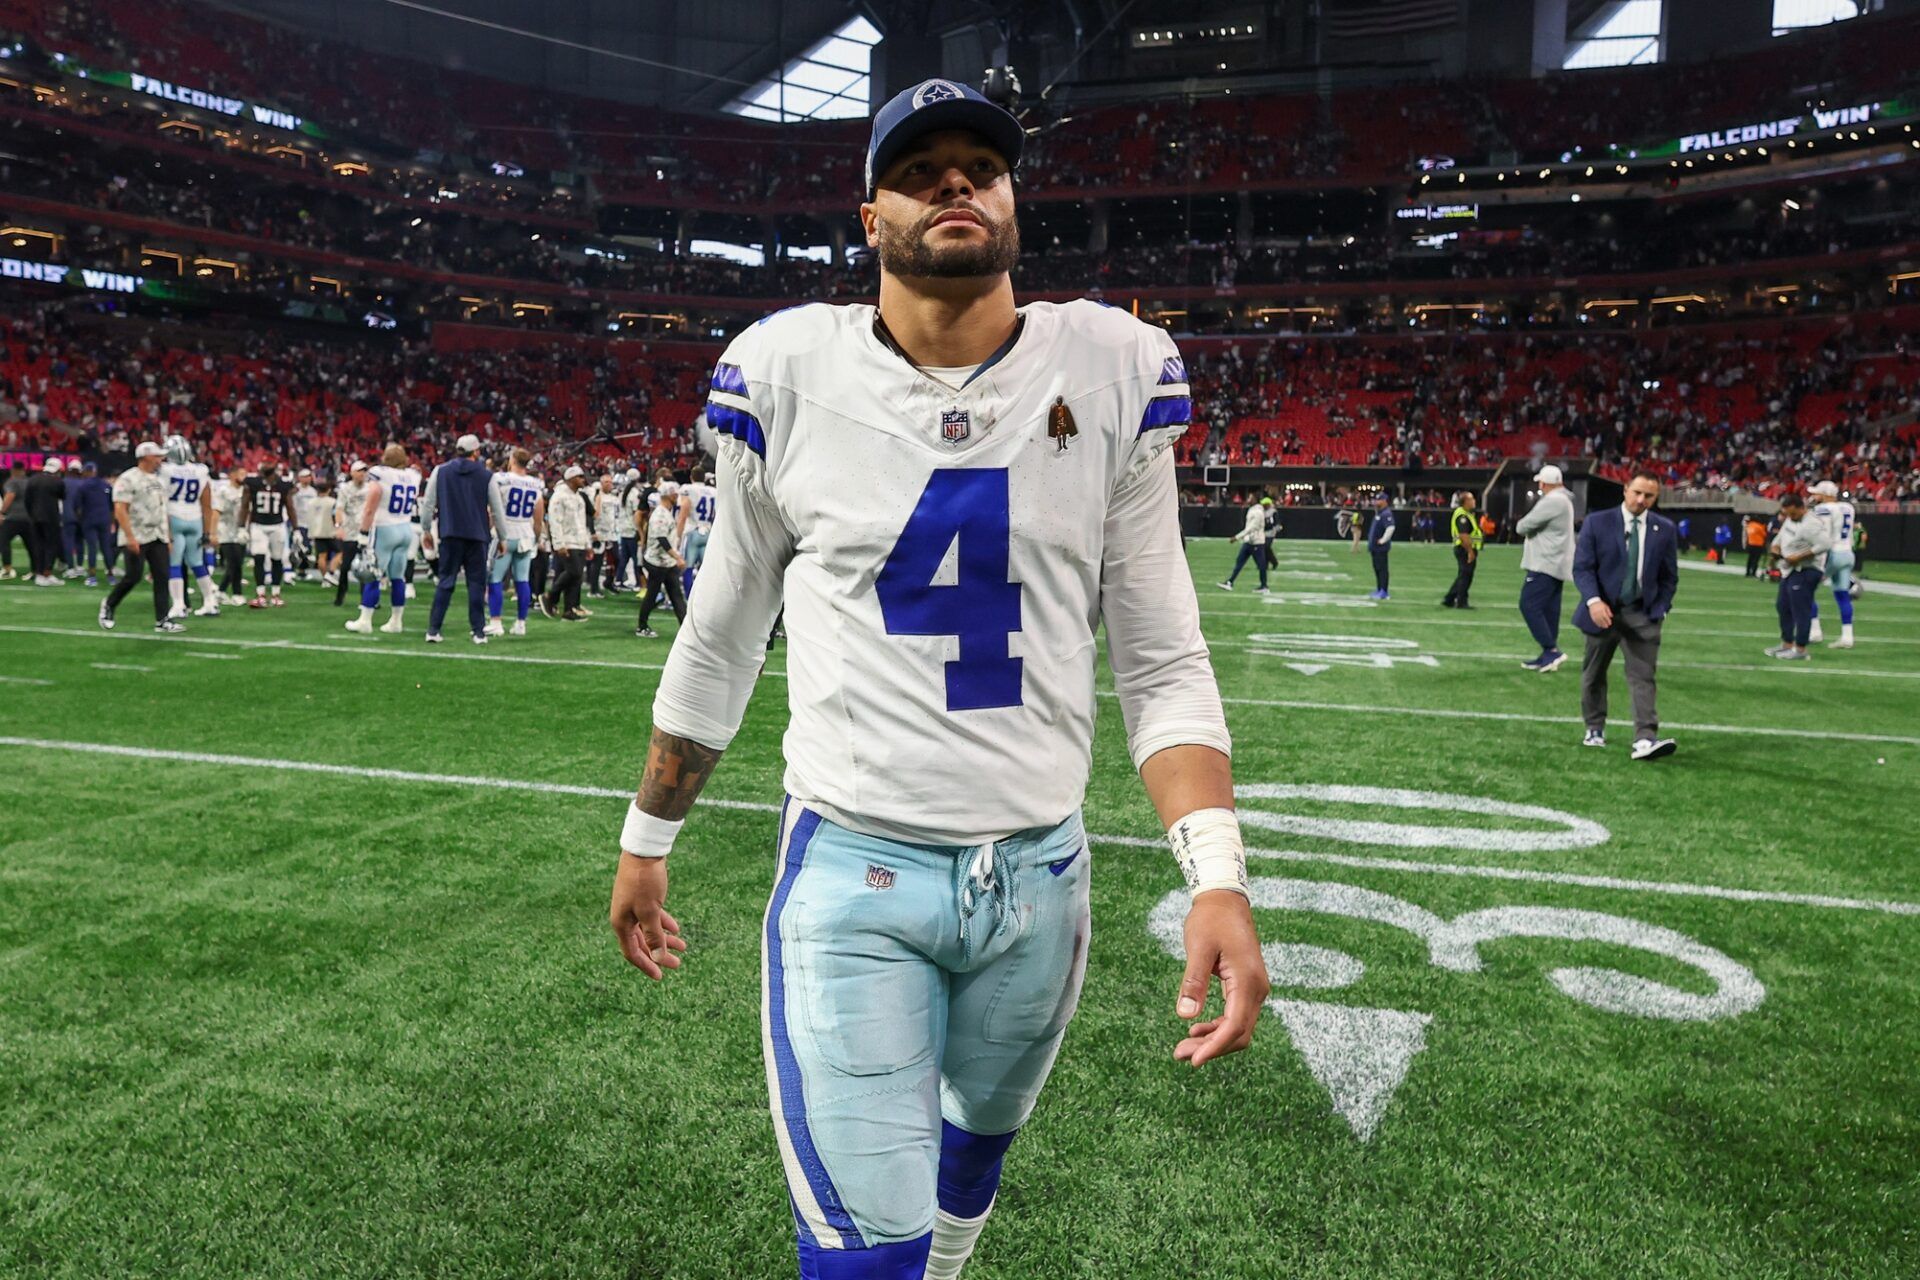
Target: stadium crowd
[1757, 408]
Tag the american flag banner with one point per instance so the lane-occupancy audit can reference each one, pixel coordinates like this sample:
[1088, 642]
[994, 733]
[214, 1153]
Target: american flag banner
[1361, 19]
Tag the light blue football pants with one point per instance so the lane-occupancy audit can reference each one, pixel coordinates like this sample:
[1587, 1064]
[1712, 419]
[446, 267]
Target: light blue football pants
[187, 540]
[392, 548]
[510, 564]
[903, 986]
[1840, 569]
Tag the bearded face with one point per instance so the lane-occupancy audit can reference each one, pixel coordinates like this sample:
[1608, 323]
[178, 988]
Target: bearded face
[952, 250]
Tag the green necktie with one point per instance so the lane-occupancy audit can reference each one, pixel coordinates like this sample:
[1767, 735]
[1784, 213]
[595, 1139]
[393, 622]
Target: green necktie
[1630, 593]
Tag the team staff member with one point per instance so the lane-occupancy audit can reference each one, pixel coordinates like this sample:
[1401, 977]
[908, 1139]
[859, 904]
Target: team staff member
[1380, 542]
[95, 499]
[325, 530]
[1465, 530]
[1547, 561]
[664, 565]
[229, 501]
[346, 521]
[46, 492]
[70, 543]
[1626, 564]
[1802, 545]
[571, 535]
[457, 495]
[140, 510]
[1253, 542]
[1756, 535]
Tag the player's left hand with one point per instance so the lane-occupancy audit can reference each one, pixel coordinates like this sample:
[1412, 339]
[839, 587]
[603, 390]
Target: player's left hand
[1221, 940]
[649, 935]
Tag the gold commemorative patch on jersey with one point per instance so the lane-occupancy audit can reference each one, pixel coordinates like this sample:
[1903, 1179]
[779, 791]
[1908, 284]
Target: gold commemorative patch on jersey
[1060, 424]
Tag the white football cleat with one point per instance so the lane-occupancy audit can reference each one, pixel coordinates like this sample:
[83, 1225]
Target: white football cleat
[519, 627]
[392, 627]
[176, 613]
[1654, 748]
[360, 626]
[1813, 636]
[494, 628]
[1844, 642]
[207, 610]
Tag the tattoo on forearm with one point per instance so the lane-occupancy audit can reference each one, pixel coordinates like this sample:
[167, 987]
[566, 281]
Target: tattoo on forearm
[676, 770]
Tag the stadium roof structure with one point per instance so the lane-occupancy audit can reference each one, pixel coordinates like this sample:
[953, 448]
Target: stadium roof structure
[668, 53]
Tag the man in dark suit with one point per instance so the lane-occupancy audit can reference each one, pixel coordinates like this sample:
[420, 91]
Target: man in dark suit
[1626, 565]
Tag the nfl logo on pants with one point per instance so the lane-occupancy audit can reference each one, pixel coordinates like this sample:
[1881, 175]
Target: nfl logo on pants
[879, 877]
[955, 426]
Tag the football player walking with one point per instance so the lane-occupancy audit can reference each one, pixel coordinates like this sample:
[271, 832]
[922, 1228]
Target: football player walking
[927, 934]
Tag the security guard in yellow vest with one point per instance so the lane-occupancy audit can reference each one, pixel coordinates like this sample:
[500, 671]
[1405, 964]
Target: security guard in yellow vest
[1465, 530]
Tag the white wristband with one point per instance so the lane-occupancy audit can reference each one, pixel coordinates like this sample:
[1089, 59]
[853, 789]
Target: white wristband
[645, 836]
[1207, 844]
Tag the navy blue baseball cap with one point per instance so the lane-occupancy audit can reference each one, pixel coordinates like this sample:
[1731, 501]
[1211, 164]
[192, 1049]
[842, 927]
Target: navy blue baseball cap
[933, 105]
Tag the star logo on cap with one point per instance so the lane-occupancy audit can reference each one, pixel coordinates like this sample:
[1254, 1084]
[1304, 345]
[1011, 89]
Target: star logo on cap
[935, 91]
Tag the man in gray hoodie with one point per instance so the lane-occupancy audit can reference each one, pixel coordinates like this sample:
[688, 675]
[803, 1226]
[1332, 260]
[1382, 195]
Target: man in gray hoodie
[1547, 561]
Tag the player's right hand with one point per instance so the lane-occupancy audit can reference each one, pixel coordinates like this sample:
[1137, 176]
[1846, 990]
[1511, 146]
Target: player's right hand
[649, 936]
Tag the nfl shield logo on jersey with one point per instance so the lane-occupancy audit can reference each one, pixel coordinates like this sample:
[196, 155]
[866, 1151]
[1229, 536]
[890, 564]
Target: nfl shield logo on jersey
[879, 877]
[955, 426]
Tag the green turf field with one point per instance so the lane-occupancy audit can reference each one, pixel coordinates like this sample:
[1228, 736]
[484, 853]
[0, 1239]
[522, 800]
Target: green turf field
[260, 1020]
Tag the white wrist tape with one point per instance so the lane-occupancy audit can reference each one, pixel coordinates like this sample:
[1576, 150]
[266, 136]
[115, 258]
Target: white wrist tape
[1207, 844]
[645, 836]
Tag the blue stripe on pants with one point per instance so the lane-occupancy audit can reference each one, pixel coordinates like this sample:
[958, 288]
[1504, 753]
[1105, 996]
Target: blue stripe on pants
[786, 1065]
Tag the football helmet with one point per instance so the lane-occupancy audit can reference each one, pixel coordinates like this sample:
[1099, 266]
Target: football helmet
[365, 567]
[178, 450]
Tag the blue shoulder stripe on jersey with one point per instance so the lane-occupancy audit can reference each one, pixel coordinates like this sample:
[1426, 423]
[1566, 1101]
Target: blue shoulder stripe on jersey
[728, 377]
[1173, 369]
[1167, 411]
[739, 424]
[793, 1098]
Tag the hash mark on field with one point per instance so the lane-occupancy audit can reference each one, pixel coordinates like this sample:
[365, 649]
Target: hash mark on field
[23, 680]
[216, 657]
[118, 666]
[1140, 842]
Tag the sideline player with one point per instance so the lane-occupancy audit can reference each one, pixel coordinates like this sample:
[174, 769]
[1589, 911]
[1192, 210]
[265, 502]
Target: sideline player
[268, 506]
[189, 517]
[519, 506]
[927, 934]
[386, 518]
[1841, 519]
[702, 503]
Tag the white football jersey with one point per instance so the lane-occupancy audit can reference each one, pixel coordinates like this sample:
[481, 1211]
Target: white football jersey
[185, 482]
[519, 495]
[1839, 517]
[706, 505]
[399, 494]
[941, 611]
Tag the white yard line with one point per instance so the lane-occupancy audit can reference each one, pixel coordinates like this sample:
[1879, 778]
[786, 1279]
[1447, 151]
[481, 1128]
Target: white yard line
[1568, 721]
[1870, 585]
[1796, 668]
[363, 648]
[1516, 626]
[1138, 842]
